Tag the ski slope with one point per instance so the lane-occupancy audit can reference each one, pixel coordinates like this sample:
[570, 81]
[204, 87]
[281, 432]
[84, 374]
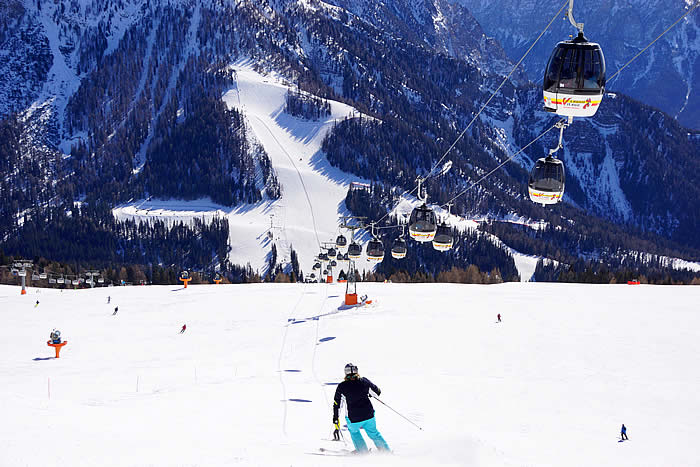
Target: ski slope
[252, 379]
[313, 192]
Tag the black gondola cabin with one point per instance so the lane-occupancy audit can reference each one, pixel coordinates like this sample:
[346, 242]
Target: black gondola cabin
[574, 80]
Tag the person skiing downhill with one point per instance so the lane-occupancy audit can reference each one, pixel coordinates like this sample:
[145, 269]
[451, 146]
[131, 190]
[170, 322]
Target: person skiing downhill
[184, 327]
[499, 317]
[116, 308]
[356, 391]
[623, 432]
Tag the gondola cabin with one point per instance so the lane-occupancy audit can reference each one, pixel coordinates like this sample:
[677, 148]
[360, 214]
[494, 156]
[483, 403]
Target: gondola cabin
[354, 251]
[332, 253]
[546, 183]
[399, 249]
[422, 224]
[443, 240]
[375, 250]
[341, 242]
[574, 80]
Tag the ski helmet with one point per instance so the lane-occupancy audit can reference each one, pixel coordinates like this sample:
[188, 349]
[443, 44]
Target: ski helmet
[350, 369]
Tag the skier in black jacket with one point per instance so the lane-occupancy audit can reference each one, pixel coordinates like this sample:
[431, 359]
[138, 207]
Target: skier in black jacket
[356, 391]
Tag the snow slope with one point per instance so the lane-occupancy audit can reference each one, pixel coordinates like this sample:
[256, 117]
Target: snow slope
[252, 379]
[313, 192]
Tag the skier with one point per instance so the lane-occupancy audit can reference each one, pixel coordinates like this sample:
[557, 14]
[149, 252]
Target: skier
[109, 299]
[499, 317]
[116, 308]
[184, 327]
[36, 304]
[623, 432]
[356, 391]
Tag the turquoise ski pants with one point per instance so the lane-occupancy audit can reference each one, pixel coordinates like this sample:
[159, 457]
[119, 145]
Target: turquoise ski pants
[370, 427]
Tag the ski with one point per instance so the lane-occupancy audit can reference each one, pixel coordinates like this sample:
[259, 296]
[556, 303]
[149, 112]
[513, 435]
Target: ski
[332, 452]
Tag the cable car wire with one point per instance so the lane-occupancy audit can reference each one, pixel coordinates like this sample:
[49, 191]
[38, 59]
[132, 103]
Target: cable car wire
[502, 164]
[652, 42]
[558, 123]
[493, 94]
[550, 128]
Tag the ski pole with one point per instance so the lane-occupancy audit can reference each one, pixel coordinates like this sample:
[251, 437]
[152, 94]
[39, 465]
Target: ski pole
[397, 413]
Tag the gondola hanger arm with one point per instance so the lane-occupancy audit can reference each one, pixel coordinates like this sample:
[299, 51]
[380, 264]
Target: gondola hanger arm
[573, 22]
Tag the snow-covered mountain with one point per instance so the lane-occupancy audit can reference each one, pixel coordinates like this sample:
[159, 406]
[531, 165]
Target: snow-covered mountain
[445, 26]
[610, 169]
[127, 105]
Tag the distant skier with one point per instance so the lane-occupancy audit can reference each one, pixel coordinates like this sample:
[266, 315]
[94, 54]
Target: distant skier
[623, 432]
[109, 299]
[356, 391]
[116, 308]
[499, 317]
[36, 304]
[184, 328]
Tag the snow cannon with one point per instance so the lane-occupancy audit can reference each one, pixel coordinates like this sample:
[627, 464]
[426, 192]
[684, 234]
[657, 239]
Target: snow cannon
[350, 299]
[56, 342]
[185, 277]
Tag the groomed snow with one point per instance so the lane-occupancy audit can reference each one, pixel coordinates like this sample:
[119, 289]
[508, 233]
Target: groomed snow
[313, 192]
[252, 379]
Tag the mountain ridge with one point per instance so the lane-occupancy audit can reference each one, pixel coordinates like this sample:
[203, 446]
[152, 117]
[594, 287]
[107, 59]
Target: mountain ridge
[141, 79]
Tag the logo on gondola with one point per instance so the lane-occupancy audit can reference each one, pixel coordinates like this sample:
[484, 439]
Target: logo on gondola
[566, 100]
[588, 102]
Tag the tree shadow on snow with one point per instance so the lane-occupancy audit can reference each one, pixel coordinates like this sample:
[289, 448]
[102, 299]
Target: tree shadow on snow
[320, 164]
